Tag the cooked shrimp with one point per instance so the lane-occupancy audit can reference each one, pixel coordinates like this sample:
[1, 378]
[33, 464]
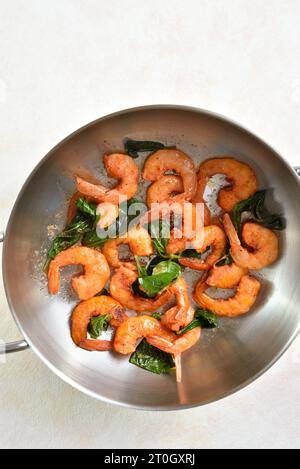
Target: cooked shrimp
[182, 314]
[120, 289]
[179, 345]
[133, 329]
[118, 166]
[158, 163]
[84, 311]
[163, 189]
[213, 237]
[108, 214]
[243, 182]
[138, 240]
[96, 271]
[225, 276]
[244, 298]
[262, 241]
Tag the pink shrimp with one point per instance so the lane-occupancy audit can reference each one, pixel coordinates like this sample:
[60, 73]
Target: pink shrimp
[241, 177]
[262, 241]
[133, 329]
[84, 311]
[158, 163]
[244, 298]
[182, 314]
[118, 166]
[96, 271]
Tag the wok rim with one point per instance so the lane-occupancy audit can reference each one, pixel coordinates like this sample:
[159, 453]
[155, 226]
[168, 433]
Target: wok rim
[45, 360]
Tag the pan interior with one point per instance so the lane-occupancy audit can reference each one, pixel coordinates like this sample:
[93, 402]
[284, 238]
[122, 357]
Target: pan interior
[225, 359]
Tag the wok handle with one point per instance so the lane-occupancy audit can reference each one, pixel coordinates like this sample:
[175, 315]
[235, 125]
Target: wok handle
[297, 169]
[17, 346]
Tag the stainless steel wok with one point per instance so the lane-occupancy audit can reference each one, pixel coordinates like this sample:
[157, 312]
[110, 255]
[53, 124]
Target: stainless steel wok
[225, 359]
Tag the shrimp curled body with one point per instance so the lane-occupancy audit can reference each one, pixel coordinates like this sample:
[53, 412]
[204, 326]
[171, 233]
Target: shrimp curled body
[242, 179]
[172, 160]
[163, 189]
[263, 241]
[239, 304]
[182, 314]
[179, 345]
[133, 329]
[84, 311]
[118, 166]
[225, 276]
[96, 271]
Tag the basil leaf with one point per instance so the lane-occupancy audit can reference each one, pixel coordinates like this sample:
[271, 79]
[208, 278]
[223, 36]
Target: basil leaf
[157, 316]
[82, 222]
[154, 284]
[98, 324]
[137, 290]
[124, 218]
[161, 275]
[160, 234]
[207, 318]
[60, 243]
[86, 207]
[203, 318]
[192, 325]
[255, 205]
[91, 239]
[167, 266]
[156, 260]
[133, 147]
[152, 359]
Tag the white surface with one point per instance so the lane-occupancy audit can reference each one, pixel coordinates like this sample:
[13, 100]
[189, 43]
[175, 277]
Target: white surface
[64, 63]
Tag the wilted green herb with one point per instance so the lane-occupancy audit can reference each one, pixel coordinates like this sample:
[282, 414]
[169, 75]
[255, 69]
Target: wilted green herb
[83, 222]
[133, 147]
[255, 205]
[152, 359]
[167, 266]
[92, 240]
[86, 207]
[163, 274]
[203, 318]
[154, 261]
[98, 324]
[160, 234]
[156, 316]
[154, 284]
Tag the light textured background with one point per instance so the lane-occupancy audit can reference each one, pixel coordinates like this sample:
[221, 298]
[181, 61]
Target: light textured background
[64, 63]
